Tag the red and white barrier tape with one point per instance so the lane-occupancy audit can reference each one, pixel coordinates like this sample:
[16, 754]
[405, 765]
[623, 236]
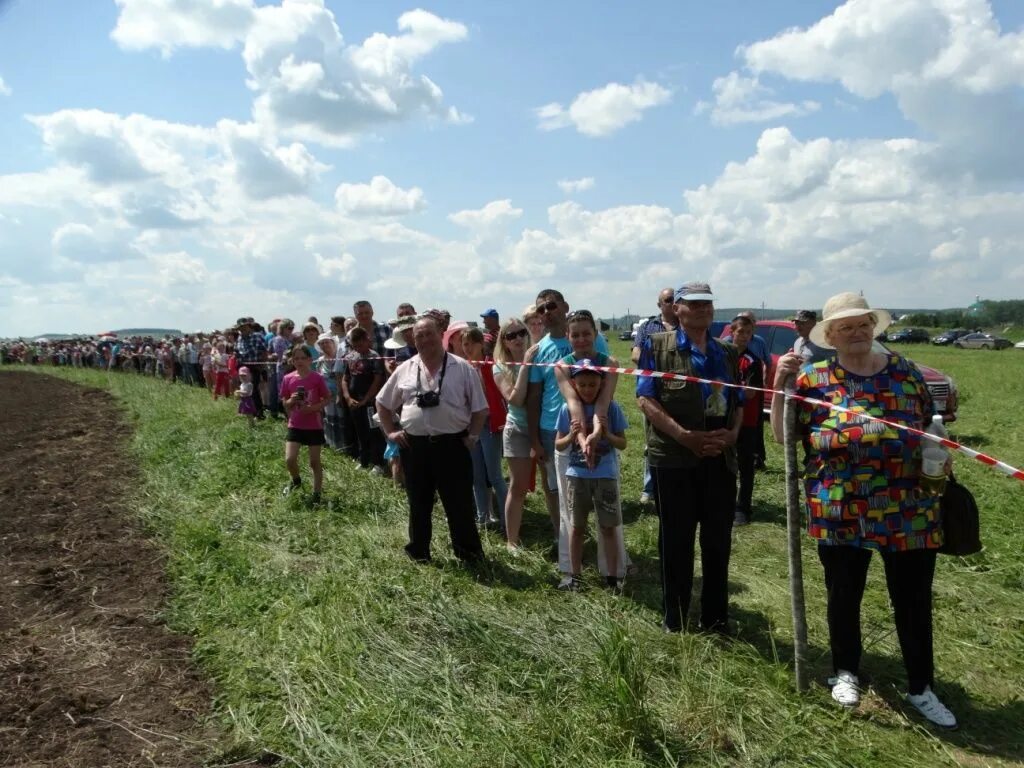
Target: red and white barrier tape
[990, 461]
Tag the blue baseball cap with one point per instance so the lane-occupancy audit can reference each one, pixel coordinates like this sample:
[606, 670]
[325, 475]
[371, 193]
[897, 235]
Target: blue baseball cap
[490, 313]
[584, 366]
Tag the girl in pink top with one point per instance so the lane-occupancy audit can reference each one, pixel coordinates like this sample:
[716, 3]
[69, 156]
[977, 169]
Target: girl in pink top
[304, 395]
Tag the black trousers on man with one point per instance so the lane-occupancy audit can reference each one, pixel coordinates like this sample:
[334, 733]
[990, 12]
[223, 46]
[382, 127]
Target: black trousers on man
[368, 437]
[258, 374]
[440, 464]
[908, 576]
[746, 457]
[704, 495]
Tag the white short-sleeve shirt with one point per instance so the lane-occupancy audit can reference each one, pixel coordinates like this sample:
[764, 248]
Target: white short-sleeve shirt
[462, 395]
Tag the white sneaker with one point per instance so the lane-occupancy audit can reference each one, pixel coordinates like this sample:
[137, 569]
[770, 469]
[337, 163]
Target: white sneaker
[935, 711]
[845, 688]
[645, 498]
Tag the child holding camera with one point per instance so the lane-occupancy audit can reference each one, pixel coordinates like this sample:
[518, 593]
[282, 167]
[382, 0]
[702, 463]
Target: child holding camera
[304, 395]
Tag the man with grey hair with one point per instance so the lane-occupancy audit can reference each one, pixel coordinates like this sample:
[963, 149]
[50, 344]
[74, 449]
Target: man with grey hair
[433, 407]
[692, 430]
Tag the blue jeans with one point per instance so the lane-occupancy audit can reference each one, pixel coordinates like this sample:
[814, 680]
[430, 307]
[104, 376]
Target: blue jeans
[487, 468]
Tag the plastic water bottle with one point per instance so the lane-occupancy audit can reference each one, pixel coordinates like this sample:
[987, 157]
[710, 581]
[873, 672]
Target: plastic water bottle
[934, 458]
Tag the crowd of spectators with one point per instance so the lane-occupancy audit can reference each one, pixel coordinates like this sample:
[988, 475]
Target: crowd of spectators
[438, 404]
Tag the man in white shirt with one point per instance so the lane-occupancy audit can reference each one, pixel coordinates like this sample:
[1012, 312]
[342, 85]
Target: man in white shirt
[442, 410]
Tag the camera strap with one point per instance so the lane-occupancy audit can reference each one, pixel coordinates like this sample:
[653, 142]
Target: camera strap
[440, 380]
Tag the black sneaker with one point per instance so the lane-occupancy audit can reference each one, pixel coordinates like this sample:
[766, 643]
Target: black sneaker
[292, 486]
[315, 498]
[741, 518]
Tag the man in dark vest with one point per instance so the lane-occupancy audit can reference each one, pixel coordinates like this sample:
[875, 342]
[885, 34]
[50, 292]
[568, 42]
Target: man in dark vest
[692, 429]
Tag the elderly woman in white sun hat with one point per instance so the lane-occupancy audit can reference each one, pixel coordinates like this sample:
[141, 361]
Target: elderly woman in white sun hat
[862, 491]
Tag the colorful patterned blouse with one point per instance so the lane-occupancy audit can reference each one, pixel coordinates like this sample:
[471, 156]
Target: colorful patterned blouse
[861, 477]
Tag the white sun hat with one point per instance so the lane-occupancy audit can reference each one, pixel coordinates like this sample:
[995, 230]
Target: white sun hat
[844, 305]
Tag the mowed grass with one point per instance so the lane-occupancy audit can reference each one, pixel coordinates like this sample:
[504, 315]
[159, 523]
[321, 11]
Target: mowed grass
[329, 648]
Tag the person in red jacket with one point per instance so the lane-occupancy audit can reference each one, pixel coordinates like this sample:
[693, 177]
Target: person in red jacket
[748, 443]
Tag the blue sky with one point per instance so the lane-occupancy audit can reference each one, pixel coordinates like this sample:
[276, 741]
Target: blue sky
[181, 163]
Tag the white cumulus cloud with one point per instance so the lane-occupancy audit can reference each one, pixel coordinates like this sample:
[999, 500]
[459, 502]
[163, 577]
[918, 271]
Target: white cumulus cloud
[603, 111]
[381, 197]
[570, 186]
[741, 99]
[308, 83]
[311, 85]
[951, 68]
[5, 90]
[341, 268]
[170, 24]
[497, 213]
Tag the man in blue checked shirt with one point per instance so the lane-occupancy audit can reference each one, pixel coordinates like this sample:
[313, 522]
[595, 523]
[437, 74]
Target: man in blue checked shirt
[251, 351]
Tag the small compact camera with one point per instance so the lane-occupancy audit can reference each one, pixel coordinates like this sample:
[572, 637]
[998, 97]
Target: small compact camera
[301, 392]
[428, 399]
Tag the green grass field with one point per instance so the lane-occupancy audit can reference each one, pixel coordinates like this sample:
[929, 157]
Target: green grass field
[328, 647]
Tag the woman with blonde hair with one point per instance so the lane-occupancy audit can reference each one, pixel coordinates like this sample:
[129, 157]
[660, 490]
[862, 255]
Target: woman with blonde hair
[513, 379]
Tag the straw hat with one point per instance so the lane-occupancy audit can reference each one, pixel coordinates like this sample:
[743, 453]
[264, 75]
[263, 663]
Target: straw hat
[844, 305]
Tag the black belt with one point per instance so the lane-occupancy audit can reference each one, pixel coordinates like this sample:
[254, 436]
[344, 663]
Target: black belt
[438, 438]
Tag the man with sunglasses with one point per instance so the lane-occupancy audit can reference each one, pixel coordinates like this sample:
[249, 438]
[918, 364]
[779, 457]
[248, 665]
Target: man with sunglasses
[692, 428]
[544, 402]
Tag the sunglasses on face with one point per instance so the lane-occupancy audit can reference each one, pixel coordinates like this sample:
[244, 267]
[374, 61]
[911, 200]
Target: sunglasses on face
[513, 335]
[547, 307]
[580, 314]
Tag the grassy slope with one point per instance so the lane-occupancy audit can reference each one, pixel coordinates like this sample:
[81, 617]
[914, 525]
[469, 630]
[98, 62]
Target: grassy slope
[330, 648]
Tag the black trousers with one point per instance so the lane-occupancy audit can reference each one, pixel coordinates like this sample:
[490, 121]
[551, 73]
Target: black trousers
[908, 576]
[349, 443]
[258, 374]
[368, 437]
[684, 498]
[747, 447]
[443, 465]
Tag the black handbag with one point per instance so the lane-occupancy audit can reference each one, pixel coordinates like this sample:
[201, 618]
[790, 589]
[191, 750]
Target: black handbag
[961, 523]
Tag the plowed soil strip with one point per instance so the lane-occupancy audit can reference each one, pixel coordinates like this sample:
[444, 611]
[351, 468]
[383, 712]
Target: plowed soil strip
[89, 676]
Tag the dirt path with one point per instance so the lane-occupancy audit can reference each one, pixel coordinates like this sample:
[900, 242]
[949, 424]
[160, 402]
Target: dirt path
[89, 676]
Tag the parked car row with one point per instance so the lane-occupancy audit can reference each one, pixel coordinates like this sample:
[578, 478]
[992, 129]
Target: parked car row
[962, 338]
[909, 336]
[982, 341]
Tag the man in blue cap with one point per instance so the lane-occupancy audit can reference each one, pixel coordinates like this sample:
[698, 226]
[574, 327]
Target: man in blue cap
[692, 430]
[492, 326]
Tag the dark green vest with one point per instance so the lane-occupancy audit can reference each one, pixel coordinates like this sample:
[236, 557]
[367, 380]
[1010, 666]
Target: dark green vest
[682, 400]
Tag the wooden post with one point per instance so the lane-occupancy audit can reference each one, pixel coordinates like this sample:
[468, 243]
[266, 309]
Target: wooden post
[796, 570]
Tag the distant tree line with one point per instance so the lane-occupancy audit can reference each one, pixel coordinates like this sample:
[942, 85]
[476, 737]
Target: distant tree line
[984, 314]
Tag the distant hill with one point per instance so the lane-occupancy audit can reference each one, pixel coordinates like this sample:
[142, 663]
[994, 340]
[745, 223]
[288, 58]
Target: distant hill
[121, 332]
[155, 332]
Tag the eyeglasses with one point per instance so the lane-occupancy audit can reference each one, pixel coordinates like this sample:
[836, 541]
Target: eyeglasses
[580, 314]
[513, 335]
[849, 329]
[547, 307]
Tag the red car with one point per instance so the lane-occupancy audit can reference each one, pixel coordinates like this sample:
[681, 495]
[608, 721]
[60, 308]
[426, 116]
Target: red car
[779, 336]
